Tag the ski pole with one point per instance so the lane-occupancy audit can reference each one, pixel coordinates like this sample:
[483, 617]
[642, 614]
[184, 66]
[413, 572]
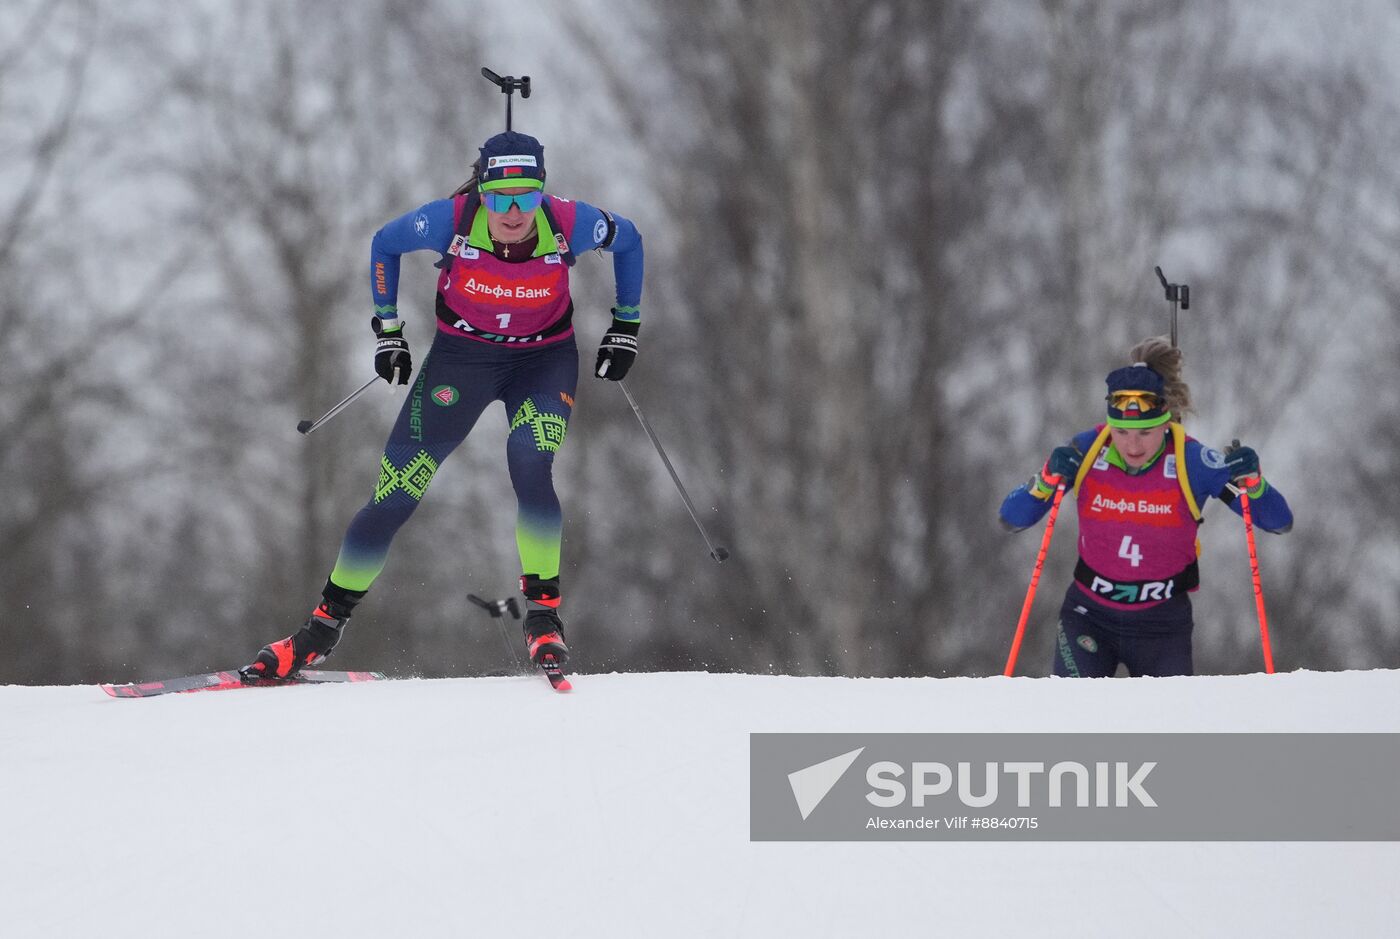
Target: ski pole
[1254, 571]
[1035, 580]
[307, 427]
[498, 609]
[716, 552]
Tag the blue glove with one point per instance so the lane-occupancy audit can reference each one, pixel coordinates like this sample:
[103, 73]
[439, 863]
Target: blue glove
[1242, 462]
[1063, 466]
[1064, 461]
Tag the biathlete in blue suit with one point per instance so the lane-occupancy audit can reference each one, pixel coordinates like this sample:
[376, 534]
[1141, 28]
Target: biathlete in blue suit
[1140, 485]
[504, 333]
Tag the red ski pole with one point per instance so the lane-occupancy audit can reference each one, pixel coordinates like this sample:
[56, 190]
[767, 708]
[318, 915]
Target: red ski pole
[1035, 580]
[1254, 571]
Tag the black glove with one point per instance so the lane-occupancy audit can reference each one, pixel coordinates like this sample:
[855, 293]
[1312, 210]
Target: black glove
[1242, 462]
[617, 350]
[391, 359]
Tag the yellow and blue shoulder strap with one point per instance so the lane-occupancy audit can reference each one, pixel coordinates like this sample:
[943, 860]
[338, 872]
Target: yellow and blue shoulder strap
[1178, 447]
[1090, 456]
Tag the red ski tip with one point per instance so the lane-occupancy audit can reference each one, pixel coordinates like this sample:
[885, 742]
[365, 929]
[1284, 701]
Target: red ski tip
[557, 680]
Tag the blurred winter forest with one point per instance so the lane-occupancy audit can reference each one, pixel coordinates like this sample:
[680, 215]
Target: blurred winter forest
[893, 246]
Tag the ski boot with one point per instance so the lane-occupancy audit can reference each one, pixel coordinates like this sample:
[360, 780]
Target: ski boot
[309, 645]
[544, 633]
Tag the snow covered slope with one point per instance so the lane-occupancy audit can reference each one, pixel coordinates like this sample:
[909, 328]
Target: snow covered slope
[495, 807]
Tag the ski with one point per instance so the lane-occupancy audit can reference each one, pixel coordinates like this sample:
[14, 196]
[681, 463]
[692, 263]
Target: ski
[223, 681]
[550, 665]
[552, 670]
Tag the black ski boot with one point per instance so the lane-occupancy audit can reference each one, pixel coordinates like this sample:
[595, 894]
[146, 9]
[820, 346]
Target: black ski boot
[309, 645]
[544, 632]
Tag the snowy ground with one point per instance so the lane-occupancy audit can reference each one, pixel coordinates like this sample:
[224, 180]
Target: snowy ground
[494, 807]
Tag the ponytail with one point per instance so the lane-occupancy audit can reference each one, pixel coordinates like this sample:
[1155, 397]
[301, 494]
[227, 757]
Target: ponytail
[1165, 359]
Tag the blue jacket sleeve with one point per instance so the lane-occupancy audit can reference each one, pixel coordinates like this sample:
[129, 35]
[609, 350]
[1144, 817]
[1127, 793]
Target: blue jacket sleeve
[426, 227]
[590, 231]
[1206, 471]
[1022, 508]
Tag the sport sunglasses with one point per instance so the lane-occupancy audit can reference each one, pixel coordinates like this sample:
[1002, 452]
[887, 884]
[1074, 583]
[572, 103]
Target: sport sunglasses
[500, 203]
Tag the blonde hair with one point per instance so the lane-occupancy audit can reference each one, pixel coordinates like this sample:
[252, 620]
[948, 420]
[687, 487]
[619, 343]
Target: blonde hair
[1158, 354]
